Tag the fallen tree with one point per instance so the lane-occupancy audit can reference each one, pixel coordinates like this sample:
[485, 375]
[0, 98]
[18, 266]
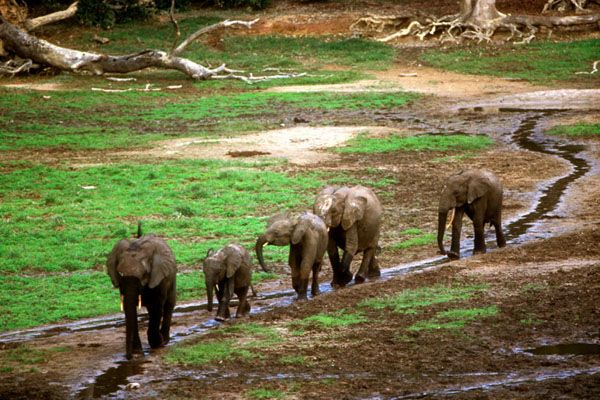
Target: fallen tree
[568, 5]
[477, 20]
[31, 52]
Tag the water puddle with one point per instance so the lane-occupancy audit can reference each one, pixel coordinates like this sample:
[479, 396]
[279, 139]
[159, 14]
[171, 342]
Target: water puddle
[565, 349]
[527, 136]
[112, 379]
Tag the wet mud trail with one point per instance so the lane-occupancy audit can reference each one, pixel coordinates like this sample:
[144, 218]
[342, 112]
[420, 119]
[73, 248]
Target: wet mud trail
[528, 136]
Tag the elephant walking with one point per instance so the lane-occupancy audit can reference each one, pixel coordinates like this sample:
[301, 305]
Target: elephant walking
[354, 217]
[228, 271]
[145, 271]
[307, 237]
[478, 194]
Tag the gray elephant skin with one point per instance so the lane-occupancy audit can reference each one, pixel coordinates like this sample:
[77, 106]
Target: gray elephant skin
[353, 216]
[477, 193]
[307, 237]
[144, 267]
[228, 271]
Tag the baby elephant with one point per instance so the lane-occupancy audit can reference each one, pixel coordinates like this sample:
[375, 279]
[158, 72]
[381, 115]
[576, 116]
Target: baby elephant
[307, 237]
[228, 271]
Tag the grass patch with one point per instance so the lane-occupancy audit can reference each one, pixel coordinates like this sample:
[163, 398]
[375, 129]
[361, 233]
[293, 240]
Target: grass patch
[295, 360]
[256, 103]
[364, 144]
[409, 301]
[26, 356]
[577, 130]
[236, 341]
[332, 320]
[454, 319]
[52, 223]
[419, 240]
[539, 62]
[262, 393]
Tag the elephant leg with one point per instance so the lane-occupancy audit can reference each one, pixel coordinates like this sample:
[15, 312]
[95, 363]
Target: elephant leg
[295, 261]
[479, 228]
[361, 275]
[223, 312]
[454, 252]
[374, 271]
[334, 260]
[243, 306]
[497, 222]
[314, 289]
[345, 276]
[165, 328]
[155, 312]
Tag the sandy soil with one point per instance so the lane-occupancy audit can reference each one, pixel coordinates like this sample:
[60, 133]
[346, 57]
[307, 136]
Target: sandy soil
[546, 291]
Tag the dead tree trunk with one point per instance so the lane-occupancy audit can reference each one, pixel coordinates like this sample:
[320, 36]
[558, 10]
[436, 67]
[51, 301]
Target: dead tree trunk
[478, 20]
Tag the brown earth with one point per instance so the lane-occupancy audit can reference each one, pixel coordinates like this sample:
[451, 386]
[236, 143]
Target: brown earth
[546, 291]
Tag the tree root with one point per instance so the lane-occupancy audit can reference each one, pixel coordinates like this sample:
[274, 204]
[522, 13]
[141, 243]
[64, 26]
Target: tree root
[455, 28]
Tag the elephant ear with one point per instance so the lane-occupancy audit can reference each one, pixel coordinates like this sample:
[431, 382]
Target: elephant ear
[354, 211]
[232, 264]
[299, 231]
[476, 188]
[163, 263]
[113, 260]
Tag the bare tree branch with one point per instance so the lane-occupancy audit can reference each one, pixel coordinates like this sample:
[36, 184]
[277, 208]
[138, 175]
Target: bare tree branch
[34, 23]
[176, 25]
[223, 24]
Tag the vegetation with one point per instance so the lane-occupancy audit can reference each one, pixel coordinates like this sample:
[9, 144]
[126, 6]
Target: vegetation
[416, 237]
[577, 130]
[409, 301]
[454, 319]
[427, 142]
[230, 343]
[262, 393]
[538, 62]
[332, 320]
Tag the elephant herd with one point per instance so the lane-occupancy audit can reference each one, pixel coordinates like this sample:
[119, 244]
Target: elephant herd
[346, 218]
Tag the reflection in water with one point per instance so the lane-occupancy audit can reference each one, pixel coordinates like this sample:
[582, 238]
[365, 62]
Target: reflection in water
[566, 349]
[112, 379]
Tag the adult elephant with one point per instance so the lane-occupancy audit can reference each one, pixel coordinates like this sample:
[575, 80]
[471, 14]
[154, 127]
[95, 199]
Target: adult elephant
[307, 237]
[145, 271]
[478, 194]
[228, 271]
[353, 216]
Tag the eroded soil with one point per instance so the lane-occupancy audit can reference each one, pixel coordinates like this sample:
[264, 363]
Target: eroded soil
[546, 291]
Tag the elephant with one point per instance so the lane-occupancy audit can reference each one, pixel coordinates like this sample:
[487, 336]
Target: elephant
[229, 271]
[144, 270]
[353, 216]
[307, 237]
[478, 193]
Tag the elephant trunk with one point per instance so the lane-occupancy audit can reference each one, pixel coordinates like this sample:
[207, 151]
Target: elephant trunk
[262, 240]
[209, 294]
[443, 215]
[131, 291]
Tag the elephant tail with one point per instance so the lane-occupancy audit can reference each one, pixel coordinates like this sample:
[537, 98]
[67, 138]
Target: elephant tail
[139, 230]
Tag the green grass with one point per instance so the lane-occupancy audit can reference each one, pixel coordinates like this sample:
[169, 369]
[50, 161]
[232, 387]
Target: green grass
[409, 301]
[51, 223]
[24, 355]
[256, 103]
[454, 319]
[262, 393]
[332, 320]
[577, 130]
[295, 360]
[365, 144]
[539, 62]
[241, 340]
[420, 240]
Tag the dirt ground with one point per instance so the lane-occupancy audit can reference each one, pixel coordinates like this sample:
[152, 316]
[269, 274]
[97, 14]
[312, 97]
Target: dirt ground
[546, 291]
